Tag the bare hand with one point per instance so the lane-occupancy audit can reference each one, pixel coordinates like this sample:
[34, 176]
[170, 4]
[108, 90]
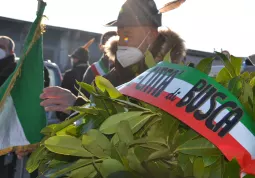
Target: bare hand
[22, 153]
[57, 99]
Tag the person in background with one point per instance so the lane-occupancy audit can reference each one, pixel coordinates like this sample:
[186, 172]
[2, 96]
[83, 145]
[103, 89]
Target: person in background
[102, 66]
[80, 62]
[7, 67]
[7, 58]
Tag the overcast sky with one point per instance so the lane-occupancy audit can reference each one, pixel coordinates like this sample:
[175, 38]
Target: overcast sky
[204, 24]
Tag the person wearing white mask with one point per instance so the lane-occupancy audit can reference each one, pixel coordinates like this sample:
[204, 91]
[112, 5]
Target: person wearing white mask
[137, 27]
[7, 58]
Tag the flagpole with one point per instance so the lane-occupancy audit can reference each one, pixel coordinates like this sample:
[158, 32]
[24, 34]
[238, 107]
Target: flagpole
[39, 2]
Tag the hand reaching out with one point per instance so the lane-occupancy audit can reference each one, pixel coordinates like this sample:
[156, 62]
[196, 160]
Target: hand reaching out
[57, 99]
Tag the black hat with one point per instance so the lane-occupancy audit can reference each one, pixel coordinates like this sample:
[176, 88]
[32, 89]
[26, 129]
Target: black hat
[80, 54]
[138, 13]
[142, 13]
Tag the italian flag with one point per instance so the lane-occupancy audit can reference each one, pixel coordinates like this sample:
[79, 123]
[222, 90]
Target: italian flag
[239, 143]
[99, 68]
[21, 116]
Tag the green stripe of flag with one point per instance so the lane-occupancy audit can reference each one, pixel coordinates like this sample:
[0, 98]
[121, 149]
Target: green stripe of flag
[103, 67]
[27, 82]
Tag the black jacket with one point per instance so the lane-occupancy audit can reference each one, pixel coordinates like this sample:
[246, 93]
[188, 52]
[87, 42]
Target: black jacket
[70, 77]
[7, 67]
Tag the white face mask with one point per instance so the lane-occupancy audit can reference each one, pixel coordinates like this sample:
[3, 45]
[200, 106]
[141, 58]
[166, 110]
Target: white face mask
[128, 56]
[2, 54]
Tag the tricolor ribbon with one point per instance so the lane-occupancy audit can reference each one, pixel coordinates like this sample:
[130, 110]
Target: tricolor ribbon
[99, 68]
[203, 104]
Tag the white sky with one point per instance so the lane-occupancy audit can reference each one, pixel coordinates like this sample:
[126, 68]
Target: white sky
[204, 24]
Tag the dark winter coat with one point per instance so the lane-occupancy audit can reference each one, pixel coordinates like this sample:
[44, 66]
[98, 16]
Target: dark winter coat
[70, 77]
[7, 67]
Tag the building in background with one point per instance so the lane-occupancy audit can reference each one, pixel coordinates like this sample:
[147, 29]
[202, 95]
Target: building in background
[194, 56]
[252, 58]
[58, 42]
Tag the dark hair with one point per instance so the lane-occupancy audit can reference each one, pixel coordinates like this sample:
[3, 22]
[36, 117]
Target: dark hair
[11, 44]
[105, 37]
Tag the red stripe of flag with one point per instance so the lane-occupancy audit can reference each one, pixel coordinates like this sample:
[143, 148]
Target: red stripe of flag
[94, 69]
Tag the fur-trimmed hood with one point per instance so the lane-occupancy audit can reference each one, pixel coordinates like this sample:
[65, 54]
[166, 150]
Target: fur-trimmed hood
[111, 47]
[167, 40]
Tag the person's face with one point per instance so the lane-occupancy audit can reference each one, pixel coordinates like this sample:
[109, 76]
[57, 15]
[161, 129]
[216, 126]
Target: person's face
[74, 60]
[136, 37]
